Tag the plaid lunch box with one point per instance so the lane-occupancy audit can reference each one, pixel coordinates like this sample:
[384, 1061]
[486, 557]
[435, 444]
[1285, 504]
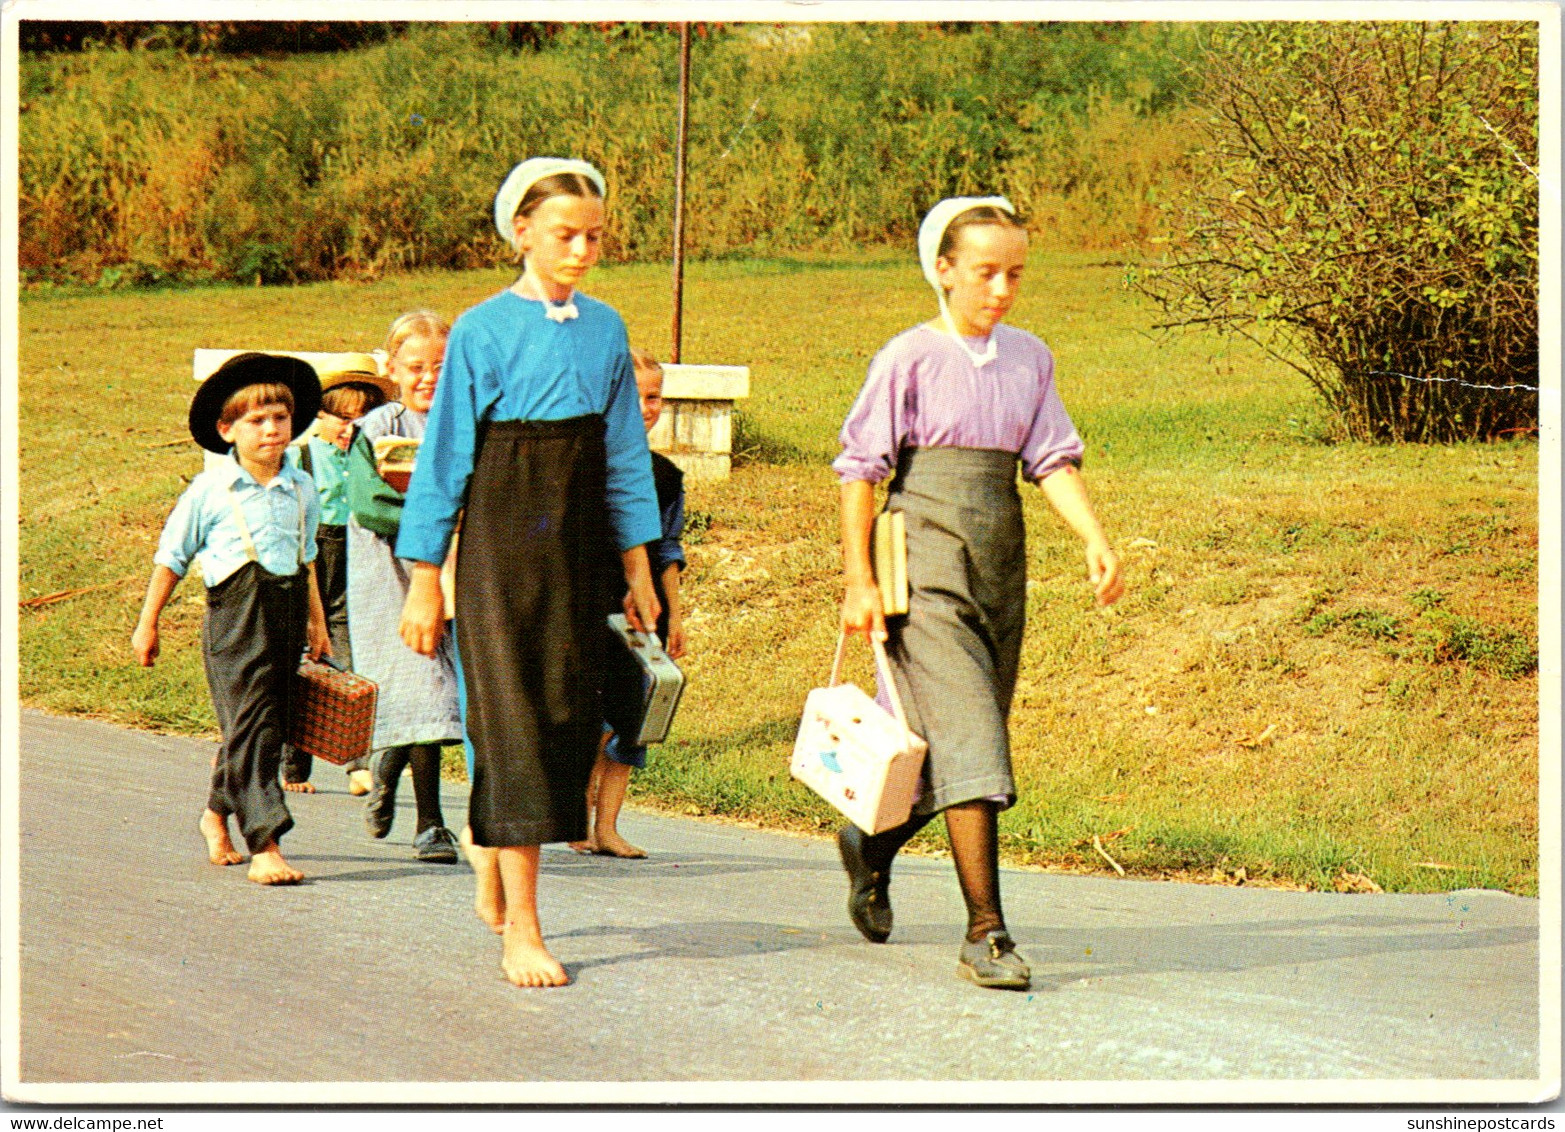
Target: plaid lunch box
[333, 715]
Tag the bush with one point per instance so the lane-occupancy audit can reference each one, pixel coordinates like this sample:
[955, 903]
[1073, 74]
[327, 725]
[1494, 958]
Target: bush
[1367, 209]
[802, 138]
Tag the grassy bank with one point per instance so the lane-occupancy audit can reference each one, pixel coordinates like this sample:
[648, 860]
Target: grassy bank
[1323, 673]
[149, 165]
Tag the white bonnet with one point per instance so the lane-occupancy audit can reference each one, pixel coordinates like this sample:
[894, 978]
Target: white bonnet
[527, 174]
[938, 219]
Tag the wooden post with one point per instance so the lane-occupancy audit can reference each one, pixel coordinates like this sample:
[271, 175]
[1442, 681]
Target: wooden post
[679, 188]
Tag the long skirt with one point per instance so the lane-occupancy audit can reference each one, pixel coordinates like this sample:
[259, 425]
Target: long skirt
[954, 656]
[535, 583]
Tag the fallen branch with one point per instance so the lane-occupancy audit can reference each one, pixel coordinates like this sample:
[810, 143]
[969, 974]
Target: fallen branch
[171, 443]
[1104, 853]
[62, 595]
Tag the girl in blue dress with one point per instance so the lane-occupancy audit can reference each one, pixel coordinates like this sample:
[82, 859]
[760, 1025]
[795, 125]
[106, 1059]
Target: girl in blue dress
[539, 437]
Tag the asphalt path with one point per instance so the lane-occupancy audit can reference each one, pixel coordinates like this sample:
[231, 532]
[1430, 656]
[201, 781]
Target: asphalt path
[721, 968]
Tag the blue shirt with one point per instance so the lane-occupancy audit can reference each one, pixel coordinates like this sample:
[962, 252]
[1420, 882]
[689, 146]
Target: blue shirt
[203, 522]
[329, 470]
[505, 361]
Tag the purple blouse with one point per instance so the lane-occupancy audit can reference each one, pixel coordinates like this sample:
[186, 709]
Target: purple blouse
[923, 391]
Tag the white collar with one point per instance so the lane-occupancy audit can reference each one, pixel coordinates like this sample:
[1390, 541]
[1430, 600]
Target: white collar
[554, 312]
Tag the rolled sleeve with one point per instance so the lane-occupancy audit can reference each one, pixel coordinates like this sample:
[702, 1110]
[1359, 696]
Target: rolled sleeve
[873, 432]
[1052, 441]
[182, 535]
[667, 551]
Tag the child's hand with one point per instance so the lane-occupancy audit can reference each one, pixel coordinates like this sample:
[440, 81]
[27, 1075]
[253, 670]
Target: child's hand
[1103, 572]
[145, 641]
[675, 645]
[318, 639]
[862, 611]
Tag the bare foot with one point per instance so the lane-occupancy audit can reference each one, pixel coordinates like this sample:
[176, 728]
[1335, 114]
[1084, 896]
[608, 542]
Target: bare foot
[359, 783]
[219, 848]
[268, 867]
[489, 901]
[610, 844]
[586, 846]
[299, 787]
[527, 963]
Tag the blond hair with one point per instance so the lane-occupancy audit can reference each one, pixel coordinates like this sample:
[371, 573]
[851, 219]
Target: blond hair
[644, 361]
[414, 322]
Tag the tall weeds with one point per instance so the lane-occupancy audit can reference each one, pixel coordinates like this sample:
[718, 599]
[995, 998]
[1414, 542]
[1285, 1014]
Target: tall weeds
[142, 166]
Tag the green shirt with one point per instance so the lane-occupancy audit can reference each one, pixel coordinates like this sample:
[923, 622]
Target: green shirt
[328, 467]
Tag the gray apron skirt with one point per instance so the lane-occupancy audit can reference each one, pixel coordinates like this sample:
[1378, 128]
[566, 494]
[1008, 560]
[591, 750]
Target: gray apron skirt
[535, 581]
[954, 656]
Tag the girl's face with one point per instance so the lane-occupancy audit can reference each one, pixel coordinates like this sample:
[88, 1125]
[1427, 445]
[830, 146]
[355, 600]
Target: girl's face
[561, 241]
[416, 367]
[982, 276]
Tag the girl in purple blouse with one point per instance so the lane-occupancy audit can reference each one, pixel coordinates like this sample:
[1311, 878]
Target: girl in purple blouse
[948, 410]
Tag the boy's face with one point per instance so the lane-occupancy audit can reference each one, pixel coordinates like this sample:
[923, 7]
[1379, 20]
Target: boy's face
[261, 436]
[334, 429]
[649, 384]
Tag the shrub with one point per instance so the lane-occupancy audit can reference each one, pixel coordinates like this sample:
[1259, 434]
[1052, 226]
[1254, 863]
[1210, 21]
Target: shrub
[815, 137]
[1367, 209]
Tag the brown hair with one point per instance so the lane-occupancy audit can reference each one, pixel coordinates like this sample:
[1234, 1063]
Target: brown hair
[414, 322]
[974, 218]
[242, 400]
[351, 400]
[556, 184]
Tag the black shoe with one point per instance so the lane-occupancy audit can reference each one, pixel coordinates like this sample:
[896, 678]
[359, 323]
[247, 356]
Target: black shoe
[869, 903]
[993, 962]
[380, 807]
[435, 844]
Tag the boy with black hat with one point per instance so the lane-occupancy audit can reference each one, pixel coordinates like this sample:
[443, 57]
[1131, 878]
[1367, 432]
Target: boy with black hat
[253, 522]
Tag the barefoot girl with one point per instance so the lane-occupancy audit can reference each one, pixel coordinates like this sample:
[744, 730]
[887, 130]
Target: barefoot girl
[416, 709]
[538, 432]
[948, 410]
[252, 521]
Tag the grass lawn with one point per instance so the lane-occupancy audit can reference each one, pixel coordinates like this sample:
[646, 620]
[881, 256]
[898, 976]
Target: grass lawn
[1323, 674]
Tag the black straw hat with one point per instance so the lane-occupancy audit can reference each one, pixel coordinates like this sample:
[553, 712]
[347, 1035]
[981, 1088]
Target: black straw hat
[252, 369]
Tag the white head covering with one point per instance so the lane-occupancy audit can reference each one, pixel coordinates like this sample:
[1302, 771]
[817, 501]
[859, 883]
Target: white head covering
[527, 174]
[930, 233]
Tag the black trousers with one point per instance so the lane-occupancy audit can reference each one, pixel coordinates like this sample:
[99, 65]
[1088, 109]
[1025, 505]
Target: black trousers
[252, 638]
[331, 575]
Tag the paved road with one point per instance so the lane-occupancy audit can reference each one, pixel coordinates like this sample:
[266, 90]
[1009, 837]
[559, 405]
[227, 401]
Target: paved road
[725, 957]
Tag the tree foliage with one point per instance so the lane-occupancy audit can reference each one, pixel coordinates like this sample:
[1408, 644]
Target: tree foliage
[1366, 207]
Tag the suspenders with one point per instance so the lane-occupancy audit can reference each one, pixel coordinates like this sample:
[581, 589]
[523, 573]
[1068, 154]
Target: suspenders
[244, 527]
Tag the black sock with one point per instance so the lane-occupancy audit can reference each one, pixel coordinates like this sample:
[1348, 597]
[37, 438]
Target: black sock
[880, 848]
[426, 785]
[975, 846]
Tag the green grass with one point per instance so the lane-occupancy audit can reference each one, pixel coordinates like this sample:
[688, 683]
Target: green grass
[1325, 666]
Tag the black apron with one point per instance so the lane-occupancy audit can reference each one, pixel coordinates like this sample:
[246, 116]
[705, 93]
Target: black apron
[538, 574]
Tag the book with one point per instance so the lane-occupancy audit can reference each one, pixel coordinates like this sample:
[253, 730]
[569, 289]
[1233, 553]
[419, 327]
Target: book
[889, 557]
[395, 457]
